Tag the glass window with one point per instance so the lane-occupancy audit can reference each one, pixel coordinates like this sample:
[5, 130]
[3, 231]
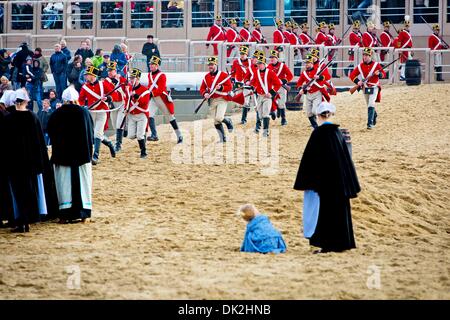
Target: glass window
[358, 10]
[52, 15]
[297, 10]
[265, 12]
[448, 11]
[2, 14]
[328, 11]
[81, 13]
[142, 14]
[111, 16]
[393, 11]
[233, 9]
[22, 16]
[202, 13]
[172, 14]
[428, 9]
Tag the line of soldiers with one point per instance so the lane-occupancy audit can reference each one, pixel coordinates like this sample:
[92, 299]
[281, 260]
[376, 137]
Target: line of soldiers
[131, 106]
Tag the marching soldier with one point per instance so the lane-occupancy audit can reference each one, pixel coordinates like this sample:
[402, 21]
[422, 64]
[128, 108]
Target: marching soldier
[404, 40]
[138, 111]
[233, 36]
[321, 36]
[386, 39]
[285, 75]
[118, 100]
[246, 35]
[216, 33]
[251, 72]
[279, 36]
[355, 39]
[160, 99]
[435, 43]
[215, 88]
[315, 92]
[288, 32]
[238, 70]
[370, 72]
[295, 38]
[94, 91]
[257, 35]
[318, 65]
[369, 38]
[305, 38]
[266, 85]
[334, 41]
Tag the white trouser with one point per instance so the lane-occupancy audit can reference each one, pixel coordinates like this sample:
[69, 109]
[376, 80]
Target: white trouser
[437, 59]
[264, 106]
[157, 103]
[99, 119]
[117, 116]
[283, 97]
[137, 125]
[370, 98]
[218, 107]
[312, 100]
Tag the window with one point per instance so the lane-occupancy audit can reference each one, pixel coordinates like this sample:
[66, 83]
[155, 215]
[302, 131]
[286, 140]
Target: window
[142, 14]
[265, 12]
[358, 10]
[202, 13]
[81, 15]
[111, 16]
[22, 16]
[328, 11]
[429, 10]
[233, 9]
[448, 11]
[393, 11]
[296, 10]
[52, 15]
[2, 13]
[172, 14]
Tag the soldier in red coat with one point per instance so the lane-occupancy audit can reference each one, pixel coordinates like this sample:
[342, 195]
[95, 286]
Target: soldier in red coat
[435, 43]
[160, 99]
[285, 75]
[404, 41]
[233, 36]
[386, 39]
[369, 38]
[279, 36]
[216, 87]
[257, 35]
[246, 35]
[321, 36]
[251, 72]
[239, 69]
[93, 94]
[367, 76]
[288, 32]
[216, 33]
[305, 38]
[138, 110]
[335, 41]
[355, 39]
[266, 85]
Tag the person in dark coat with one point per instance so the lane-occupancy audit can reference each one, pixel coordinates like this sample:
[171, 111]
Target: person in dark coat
[31, 180]
[44, 116]
[58, 65]
[6, 208]
[71, 131]
[5, 64]
[328, 177]
[19, 60]
[150, 49]
[54, 101]
[74, 71]
[84, 51]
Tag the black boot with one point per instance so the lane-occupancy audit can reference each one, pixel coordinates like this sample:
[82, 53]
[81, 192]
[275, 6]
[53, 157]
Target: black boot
[370, 116]
[266, 122]
[109, 144]
[174, 125]
[278, 112]
[119, 135]
[348, 69]
[143, 148]
[334, 71]
[97, 144]
[375, 116]
[221, 132]
[229, 124]
[244, 115]
[439, 74]
[313, 122]
[154, 133]
[258, 123]
[283, 117]
[273, 115]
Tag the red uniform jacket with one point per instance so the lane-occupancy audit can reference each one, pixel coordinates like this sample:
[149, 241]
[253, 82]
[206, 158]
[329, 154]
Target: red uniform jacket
[232, 36]
[282, 71]
[368, 70]
[322, 38]
[287, 36]
[403, 40]
[245, 34]
[267, 82]
[434, 43]
[294, 39]
[334, 41]
[216, 33]
[90, 93]
[279, 37]
[304, 37]
[120, 94]
[387, 40]
[355, 39]
[141, 104]
[257, 36]
[210, 82]
[239, 69]
[369, 40]
[251, 72]
[319, 85]
[157, 85]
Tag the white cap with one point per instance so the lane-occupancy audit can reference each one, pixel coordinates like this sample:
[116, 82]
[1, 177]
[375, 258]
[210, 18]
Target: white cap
[70, 94]
[22, 94]
[8, 98]
[324, 107]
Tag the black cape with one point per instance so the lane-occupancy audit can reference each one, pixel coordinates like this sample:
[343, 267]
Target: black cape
[6, 208]
[327, 168]
[26, 157]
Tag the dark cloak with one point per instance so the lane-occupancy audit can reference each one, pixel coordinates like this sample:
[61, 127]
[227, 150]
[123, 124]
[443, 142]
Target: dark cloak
[327, 168]
[6, 209]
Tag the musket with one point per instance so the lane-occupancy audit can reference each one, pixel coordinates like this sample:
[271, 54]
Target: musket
[440, 38]
[306, 86]
[393, 26]
[204, 99]
[357, 87]
[126, 109]
[106, 95]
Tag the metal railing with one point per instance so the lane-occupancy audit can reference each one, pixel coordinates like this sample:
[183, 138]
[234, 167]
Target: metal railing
[424, 64]
[439, 61]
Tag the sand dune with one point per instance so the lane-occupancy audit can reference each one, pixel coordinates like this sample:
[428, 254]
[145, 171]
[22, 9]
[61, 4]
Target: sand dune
[168, 231]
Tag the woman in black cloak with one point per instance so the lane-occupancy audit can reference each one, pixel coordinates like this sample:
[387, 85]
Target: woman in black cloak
[328, 177]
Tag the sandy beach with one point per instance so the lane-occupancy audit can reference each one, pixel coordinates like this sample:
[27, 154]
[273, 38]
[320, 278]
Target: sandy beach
[162, 229]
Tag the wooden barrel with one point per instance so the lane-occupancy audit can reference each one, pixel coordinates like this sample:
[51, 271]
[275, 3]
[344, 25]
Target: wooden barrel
[347, 138]
[294, 105]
